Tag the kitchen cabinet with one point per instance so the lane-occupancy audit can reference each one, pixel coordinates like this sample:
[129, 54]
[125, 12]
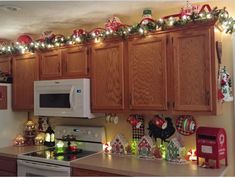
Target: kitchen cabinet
[8, 167]
[69, 62]
[50, 65]
[25, 72]
[194, 84]
[107, 76]
[147, 59]
[78, 172]
[75, 62]
[174, 72]
[5, 64]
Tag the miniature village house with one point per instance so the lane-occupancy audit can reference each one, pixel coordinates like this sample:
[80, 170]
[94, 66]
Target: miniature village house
[118, 144]
[145, 146]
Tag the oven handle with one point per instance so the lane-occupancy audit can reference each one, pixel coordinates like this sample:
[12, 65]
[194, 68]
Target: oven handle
[71, 97]
[43, 166]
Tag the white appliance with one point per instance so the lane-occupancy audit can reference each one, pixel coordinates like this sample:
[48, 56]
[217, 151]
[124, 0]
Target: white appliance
[64, 98]
[12, 123]
[46, 163]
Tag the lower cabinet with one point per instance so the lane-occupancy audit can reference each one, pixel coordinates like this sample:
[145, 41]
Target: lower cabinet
[78, 172]
[8, 167]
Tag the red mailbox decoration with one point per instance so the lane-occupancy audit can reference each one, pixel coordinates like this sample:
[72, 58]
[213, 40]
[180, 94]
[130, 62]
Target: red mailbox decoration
[211, 144]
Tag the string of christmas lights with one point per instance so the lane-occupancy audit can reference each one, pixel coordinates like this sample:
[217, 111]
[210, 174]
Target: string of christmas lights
[98, 34]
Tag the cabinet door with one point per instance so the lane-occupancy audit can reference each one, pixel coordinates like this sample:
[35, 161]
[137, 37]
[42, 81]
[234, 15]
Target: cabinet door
[25, 72]
[107, 76]
[192, 70]
[8, 166]
[148, 73]
[5, 64]
[51, 65]
[75, 62]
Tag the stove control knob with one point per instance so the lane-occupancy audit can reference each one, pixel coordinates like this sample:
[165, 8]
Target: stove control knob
[89, 132]
[96, 135]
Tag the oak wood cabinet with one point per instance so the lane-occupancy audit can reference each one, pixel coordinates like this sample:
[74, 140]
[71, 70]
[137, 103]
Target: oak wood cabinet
[25, 72]
[70, 62]
[107, 77]
[174, 72]
[194, 71]
[50, 65]
[75, 62]
[5, 64]
[8, 167]
[147, 59]
[78, 172]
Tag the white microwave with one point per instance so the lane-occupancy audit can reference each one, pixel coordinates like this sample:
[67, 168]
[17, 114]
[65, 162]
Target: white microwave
[63, 98]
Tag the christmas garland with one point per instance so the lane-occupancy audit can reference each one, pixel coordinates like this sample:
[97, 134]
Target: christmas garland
[123, 31]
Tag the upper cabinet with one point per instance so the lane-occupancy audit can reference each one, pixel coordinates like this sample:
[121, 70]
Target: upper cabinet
[25, 72]
[75, 62]
[192, 70]
[5, 64]
[147, 59]
[174, 72]
[70, 62]
[107, 77]
[51, 65]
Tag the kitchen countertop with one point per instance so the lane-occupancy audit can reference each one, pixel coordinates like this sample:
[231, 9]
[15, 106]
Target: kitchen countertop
[13, 151]
[131, 166]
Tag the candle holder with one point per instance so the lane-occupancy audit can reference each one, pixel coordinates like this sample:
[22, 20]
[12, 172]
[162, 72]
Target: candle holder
[39, 139]
[30, 132]
[19, 141]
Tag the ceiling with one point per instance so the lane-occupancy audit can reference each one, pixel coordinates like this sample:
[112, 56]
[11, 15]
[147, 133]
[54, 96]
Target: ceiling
[34, 17]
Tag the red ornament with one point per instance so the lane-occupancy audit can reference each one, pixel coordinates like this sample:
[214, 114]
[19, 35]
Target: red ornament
[79, 32]
[96, 31]
[113, 23]
[24, 39]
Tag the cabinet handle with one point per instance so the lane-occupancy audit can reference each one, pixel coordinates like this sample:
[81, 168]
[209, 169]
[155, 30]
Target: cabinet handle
[59, 67]
[208, 97]
[168, 104]
[130, 99]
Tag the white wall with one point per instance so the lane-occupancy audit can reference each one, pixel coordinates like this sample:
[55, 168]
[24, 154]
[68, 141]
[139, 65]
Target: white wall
[11, 123]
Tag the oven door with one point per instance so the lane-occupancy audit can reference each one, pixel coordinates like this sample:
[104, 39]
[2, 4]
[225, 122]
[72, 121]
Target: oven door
[38, 169]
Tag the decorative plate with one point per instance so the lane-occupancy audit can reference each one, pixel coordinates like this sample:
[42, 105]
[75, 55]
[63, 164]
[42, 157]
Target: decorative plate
[186, 125]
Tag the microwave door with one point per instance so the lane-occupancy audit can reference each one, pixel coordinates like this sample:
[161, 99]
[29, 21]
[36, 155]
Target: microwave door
[58, 102]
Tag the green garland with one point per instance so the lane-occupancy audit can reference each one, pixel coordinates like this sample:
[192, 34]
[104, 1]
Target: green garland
[228, 23]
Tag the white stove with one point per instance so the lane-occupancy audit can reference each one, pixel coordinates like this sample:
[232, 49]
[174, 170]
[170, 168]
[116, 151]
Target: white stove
[50, 162]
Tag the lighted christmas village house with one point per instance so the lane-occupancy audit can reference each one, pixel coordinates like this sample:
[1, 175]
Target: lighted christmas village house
[118, 144]
[174, 149]
[145, 146]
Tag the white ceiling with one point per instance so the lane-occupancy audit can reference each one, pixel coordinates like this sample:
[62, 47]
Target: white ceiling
[35, 17]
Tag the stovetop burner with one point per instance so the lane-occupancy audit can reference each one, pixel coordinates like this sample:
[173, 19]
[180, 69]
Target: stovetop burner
[53, 154]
